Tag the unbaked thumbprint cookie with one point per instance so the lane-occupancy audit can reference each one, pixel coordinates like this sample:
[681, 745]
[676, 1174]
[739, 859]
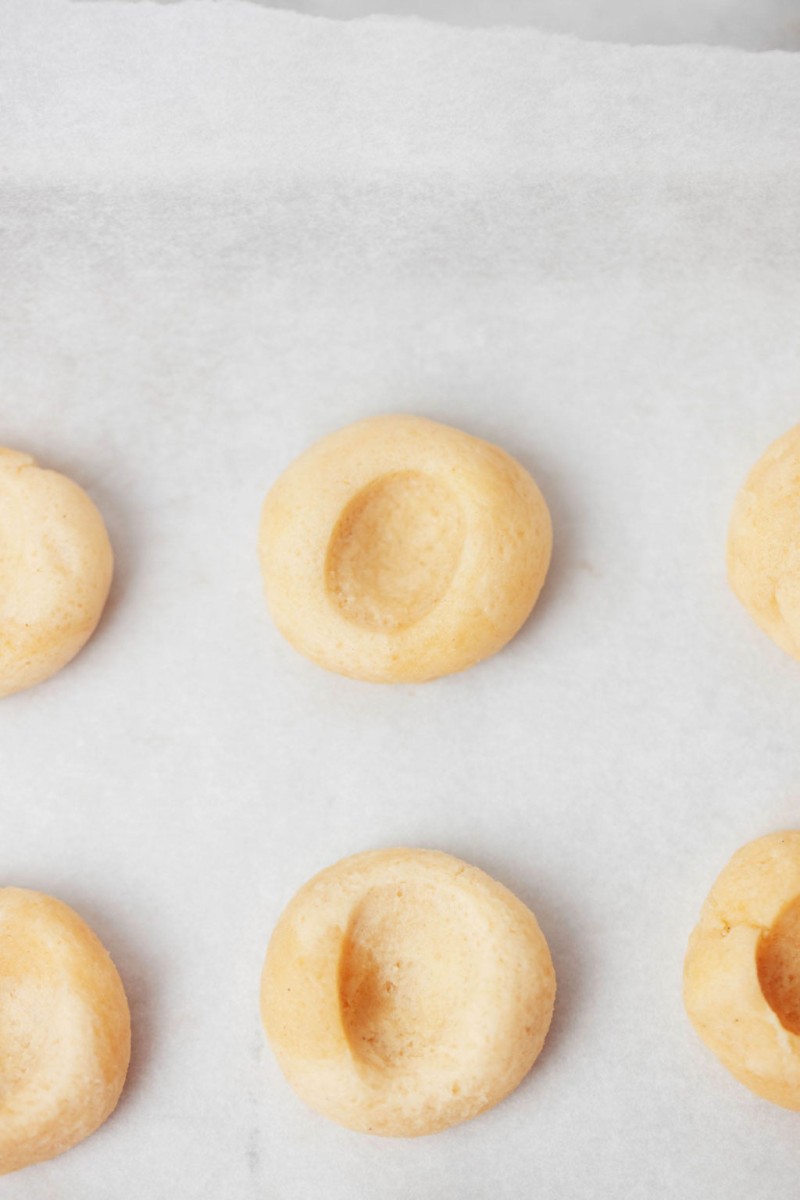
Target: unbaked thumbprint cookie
[399, 550]
[65, 1032]
[404, 992]
[764, 543]
[55, 571]
[742, 969]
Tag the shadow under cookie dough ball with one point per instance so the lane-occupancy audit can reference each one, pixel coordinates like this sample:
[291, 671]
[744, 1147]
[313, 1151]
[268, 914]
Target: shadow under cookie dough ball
[742, 969]
[64, 1029]
[399, 550]
[764, 543]
[55, 571]
[405, 991]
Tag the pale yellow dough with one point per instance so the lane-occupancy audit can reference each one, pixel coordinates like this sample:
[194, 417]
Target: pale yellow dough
[64, 1029]
[742, 969]
[55, 571]
[405, 991]
[764, 543]
[399, 549]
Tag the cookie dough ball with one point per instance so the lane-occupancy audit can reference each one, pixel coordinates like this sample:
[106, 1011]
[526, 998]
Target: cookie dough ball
[399, 550]
[405, 991]
[55, 571]
[742, 970]
[64, 1029]
[764, 543]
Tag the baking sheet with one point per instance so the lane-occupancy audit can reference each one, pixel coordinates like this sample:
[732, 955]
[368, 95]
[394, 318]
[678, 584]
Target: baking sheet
[228, 231]
[751, 24]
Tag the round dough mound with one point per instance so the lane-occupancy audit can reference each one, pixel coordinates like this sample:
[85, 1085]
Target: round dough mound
[405, 991]
[742, 969]
[764, 543]
[65, 1033]
[399, 550]
[55, 571]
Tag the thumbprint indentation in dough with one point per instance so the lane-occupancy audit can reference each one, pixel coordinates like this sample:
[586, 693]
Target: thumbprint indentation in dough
[406, 973]
[778, 962]
[394, 550]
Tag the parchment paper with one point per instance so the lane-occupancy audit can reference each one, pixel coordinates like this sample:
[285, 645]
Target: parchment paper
[229, 230]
